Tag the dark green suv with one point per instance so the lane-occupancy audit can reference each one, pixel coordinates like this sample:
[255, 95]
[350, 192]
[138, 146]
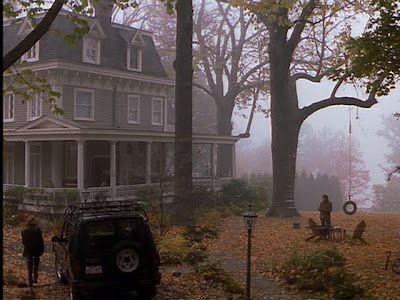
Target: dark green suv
[106, 247]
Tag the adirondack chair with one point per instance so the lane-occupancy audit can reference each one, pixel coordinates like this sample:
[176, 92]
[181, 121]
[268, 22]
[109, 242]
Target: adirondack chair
[317, 231]
[360, 228]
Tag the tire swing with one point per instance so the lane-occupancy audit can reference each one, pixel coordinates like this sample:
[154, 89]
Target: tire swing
[350, 207]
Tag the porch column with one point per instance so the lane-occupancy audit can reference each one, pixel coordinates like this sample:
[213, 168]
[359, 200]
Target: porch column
[148, 162]
[234, 160]
[213, 164]
[27, 163]
[80, 167]
[113, 168]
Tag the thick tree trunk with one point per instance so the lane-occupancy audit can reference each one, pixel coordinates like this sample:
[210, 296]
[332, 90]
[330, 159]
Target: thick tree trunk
[183, 114]
[285, 122]
[224, 127]
[224, 116]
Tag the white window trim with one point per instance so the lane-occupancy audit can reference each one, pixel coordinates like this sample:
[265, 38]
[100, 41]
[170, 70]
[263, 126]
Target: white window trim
[128, 57]
[4, 108]
[32, 59]
[29, 108]
[153, 99]
[84, 45]
[138, 107]
[92, 115]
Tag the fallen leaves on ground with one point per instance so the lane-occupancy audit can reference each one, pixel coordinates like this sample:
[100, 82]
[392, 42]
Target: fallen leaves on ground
[274, 241]
[189, 285]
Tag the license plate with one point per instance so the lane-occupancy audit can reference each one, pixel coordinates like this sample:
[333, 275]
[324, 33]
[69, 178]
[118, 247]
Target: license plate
[93, 270]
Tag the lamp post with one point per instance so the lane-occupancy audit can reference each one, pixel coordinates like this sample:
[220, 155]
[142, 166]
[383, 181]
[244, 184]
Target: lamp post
[249, 218]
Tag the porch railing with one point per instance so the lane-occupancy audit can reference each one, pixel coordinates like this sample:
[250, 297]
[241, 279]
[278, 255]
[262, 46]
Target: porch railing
[56, 199]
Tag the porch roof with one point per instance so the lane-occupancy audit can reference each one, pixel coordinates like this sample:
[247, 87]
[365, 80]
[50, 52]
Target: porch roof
[50, 128]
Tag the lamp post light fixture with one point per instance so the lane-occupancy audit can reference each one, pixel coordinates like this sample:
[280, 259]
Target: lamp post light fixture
[249, 218]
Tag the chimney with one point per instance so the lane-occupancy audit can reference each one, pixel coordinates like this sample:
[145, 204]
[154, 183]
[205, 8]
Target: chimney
[103, 10]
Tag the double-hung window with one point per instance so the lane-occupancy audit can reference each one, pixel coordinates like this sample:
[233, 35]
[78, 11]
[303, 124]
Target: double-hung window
[35, 107]
[8, 107]
[32, 54]
[157, 111]
[84, 105]
[133, 109]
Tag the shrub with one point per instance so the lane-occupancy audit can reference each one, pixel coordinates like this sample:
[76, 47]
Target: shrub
[212, 272]
[173, 249]
[348, 291]
[317, 271]
[9, 278]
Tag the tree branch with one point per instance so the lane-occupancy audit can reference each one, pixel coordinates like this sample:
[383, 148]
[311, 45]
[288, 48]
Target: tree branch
[203, 89]
[14, 54]
[246, 134]
[333, 101]
[299, 27]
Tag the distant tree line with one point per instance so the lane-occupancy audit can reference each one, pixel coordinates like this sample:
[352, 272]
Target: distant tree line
[309, 189]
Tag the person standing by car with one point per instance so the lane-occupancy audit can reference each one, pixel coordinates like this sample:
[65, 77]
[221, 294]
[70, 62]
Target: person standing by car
[32, 240]
[325, 209]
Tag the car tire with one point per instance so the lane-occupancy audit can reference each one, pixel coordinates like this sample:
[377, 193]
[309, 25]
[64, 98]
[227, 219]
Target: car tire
[147, 293]
[61, 278]
[126, 257]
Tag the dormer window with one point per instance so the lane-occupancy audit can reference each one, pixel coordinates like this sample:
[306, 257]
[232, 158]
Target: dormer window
[134, 52]
[32, 54]
[91, 43]
[91, 50]
[134, 58]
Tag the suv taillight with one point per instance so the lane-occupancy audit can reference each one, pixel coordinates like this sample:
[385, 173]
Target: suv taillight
[76, 268]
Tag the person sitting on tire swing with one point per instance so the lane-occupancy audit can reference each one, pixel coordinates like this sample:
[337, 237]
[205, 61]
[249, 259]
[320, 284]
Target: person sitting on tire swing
[325, 209]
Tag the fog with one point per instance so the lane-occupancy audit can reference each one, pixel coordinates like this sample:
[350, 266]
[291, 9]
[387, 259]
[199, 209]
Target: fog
[364, 129]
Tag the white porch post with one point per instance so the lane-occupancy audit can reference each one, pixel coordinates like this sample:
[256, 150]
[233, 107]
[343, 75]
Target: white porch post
[27, 163]
[234, 160]
[113, 168]
[80, 167]
[214, 164]
[148, 162]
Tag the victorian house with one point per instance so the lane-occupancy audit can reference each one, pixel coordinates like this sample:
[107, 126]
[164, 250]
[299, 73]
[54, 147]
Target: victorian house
[117, 128]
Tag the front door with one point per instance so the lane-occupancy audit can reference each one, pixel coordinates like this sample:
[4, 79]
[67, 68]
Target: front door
[35, 167]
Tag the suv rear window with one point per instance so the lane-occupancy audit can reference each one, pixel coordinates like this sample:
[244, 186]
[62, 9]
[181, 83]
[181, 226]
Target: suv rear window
[103, 235]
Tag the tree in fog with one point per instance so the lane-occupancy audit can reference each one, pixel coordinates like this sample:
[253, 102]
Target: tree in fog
[306, 41]
[387, 197]
[327, 151]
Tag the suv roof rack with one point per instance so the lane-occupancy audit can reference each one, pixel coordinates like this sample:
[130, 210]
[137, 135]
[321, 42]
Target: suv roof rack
[73, 214]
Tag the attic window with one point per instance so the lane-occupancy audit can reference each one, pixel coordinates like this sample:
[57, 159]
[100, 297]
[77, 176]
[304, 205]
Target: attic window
[134, 58]
[91, 50]
[32, 54]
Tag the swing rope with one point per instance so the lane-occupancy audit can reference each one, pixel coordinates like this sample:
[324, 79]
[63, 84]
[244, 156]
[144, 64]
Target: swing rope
[350, 207]
[349, 194]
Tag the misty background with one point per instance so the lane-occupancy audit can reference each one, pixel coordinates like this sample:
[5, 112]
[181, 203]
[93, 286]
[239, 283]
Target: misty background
[253, 154]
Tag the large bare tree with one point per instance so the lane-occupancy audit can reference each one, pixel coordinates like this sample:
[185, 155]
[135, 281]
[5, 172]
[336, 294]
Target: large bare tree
[305, 43]
[228, 54]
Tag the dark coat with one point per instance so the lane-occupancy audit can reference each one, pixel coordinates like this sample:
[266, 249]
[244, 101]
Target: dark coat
[325, 208]
[32, 240]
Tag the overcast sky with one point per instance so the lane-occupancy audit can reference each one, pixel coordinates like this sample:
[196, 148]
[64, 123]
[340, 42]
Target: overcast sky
[365, 128]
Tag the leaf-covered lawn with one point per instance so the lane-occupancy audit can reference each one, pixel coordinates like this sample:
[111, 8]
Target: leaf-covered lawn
[274, 241]
[188, 286]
